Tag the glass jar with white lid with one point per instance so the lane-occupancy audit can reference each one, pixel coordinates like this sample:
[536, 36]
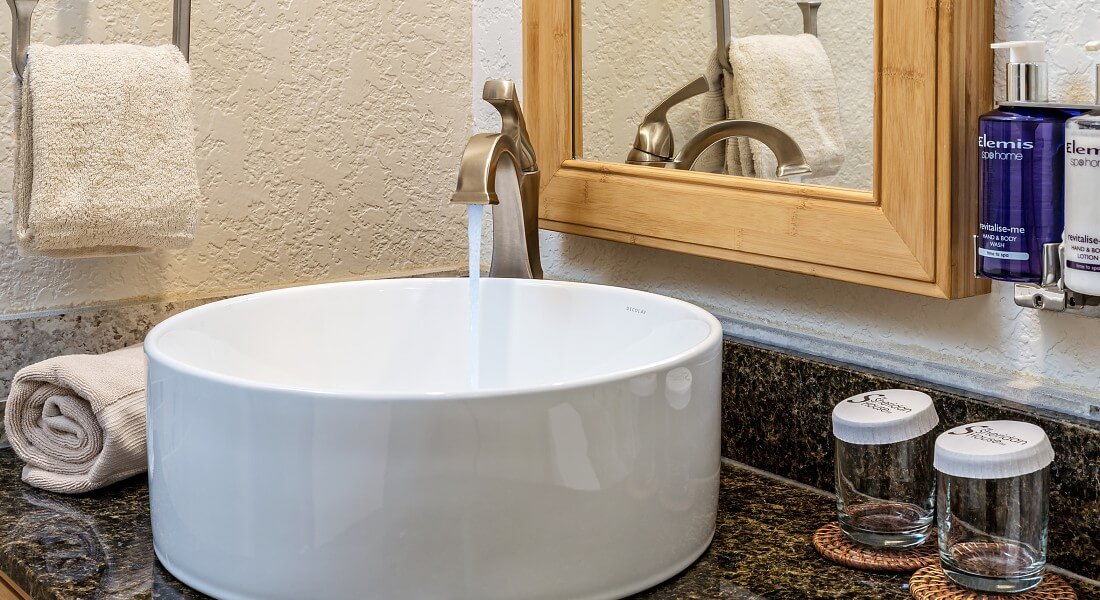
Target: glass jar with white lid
[993, 504]
[885, 484]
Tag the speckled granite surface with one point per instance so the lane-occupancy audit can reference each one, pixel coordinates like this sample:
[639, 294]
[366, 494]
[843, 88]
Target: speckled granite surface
[777, 409]
[100, 546]
[762, 549]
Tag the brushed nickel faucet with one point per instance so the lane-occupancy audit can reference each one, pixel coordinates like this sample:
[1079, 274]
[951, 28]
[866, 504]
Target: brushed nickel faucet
[516, 217]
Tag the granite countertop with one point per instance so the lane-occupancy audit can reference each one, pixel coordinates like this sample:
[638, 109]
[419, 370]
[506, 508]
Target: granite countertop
[100, 546]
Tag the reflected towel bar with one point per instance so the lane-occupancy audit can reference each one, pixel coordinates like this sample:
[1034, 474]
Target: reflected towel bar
[809, 16]
[722, 25]
[724, 36]
[21, 11]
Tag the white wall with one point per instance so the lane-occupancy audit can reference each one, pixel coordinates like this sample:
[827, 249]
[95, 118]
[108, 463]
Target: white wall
[329, 136]
[986, 344]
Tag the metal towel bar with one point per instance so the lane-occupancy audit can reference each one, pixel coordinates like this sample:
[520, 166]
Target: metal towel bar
[21, 11]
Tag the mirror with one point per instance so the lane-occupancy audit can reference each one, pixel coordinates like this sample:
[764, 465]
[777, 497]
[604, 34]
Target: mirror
[817, 91]
[906, 226]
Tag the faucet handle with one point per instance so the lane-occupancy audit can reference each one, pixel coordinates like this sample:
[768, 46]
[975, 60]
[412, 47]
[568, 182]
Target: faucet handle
[502, 94]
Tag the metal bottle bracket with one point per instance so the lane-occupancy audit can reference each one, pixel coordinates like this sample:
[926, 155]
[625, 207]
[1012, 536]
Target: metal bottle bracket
[1051, 294]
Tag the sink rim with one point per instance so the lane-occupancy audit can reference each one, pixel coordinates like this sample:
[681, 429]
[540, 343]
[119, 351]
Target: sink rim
[154, 353]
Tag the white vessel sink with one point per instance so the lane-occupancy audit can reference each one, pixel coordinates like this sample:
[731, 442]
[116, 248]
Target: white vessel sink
[325, 442]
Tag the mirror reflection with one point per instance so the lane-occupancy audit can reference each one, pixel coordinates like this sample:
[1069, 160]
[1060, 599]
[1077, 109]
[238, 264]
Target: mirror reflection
[771, 89]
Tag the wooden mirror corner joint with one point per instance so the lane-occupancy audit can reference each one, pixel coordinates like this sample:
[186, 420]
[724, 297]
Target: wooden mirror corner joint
[911, 233]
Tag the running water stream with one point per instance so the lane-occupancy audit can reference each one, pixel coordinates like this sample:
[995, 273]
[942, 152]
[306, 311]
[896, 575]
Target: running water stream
[473, 363]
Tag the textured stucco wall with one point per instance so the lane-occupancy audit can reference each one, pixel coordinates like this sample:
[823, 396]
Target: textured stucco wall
[984, 343]
[329, 136]
[637, 52]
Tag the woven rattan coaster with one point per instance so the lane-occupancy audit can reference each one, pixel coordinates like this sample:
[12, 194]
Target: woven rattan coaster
[931, 583]
[831, 542]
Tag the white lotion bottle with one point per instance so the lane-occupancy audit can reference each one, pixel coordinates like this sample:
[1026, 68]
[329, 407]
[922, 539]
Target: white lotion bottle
[1081, 271]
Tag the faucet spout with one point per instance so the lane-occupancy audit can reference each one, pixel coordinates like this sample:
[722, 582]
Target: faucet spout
[787, 152]
[477, 173]
[512, 191]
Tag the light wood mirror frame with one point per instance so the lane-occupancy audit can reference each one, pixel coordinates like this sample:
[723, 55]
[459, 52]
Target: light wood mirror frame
[933, 78]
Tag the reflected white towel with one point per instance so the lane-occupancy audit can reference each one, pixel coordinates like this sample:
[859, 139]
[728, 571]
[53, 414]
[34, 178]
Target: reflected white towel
[788, 82]
[78, 421]
[105, 151]
[711, 111]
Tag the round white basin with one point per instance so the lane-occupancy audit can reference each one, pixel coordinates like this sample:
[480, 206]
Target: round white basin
[329, 442]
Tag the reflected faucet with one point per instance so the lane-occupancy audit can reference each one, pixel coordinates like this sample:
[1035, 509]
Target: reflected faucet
[654, 144]
[787, 152]
[480, 181]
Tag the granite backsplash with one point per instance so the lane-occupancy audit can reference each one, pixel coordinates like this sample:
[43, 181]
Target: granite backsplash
[777, 409]
[25, 341]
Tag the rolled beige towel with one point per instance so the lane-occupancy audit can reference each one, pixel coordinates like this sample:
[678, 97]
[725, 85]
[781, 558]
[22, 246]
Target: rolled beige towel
[78, 421]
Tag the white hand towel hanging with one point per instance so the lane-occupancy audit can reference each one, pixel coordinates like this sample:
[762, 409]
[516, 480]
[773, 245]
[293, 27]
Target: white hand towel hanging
[105, 151]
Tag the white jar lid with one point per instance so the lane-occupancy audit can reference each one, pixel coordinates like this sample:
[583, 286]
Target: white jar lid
[884, 417]
[993, 450]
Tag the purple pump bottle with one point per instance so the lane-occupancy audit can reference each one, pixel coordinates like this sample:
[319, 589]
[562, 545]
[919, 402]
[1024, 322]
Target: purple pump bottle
[1021, 194]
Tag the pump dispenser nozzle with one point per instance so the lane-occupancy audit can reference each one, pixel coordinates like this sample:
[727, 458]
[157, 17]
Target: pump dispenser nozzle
[1095, 47]
[1027, 70]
